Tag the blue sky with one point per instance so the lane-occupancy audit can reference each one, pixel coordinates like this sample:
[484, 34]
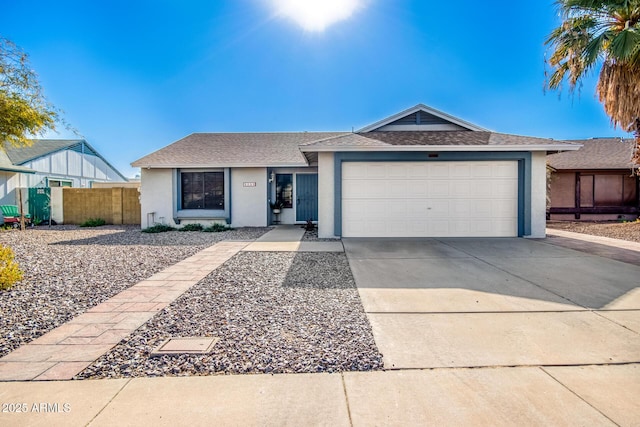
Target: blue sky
[133, 76]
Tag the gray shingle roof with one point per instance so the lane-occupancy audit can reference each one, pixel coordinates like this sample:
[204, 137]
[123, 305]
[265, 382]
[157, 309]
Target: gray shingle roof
[600, 153]
[40, 147]
[7, 166]
[284, 149]
[431, 138]
[234, 149]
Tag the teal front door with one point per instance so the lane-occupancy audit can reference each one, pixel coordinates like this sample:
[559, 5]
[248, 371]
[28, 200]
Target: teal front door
[307, 197]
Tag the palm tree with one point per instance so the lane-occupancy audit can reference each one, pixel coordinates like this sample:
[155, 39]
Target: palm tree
[603, 33]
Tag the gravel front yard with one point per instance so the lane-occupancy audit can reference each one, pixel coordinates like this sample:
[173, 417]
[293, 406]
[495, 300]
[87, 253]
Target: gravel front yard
[69, 270]
[272, 312]
[616, 230]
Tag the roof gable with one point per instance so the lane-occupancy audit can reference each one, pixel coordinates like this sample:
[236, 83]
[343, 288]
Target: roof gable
[44, 147]
[421, 118]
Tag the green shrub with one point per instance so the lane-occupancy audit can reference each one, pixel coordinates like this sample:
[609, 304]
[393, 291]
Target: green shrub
[216, 228]
[10, 272]
[191, 227]
[158, 228]
[93, 222]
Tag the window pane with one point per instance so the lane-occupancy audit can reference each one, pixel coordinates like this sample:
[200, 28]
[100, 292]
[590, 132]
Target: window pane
[284, 190]
[586, 191]
[214, 190]
[202, 190]
[629, 190]
[608, 190]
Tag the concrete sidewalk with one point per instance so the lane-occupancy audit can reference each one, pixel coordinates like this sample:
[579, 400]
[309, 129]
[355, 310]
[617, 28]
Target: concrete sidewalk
[620, 250]
[287, 238]
[590, 395]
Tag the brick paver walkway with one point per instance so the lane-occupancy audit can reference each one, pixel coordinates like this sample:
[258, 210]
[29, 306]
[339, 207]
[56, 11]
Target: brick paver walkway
[68, 349]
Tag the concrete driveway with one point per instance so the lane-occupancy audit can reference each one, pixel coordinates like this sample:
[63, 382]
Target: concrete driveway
[495, 302]
[524, 311]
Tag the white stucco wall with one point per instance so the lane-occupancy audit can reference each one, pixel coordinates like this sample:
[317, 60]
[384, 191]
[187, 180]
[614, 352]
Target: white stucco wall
[249, 204]
[538, 194]
[326, 195]
[156, 196]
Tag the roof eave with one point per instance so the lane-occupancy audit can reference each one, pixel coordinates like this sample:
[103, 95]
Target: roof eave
[17, 170]
[535, 147]
[217, 166]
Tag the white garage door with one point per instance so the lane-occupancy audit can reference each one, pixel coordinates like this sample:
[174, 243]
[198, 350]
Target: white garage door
[430, 199]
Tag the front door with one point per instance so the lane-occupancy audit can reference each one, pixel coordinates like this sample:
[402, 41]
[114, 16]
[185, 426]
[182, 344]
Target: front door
[306, 197]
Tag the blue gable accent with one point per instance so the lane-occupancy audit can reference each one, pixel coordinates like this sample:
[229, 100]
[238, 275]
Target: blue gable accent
[524, 175]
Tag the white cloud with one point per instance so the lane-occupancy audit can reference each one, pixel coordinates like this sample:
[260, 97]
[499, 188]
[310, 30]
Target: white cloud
[316, 15]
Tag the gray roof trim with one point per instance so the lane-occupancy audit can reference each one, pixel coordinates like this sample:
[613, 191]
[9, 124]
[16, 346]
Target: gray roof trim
[426, 109]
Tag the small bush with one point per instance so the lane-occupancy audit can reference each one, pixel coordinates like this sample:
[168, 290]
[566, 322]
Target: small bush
[191, 227]
[217, 228]
[93, 222]
[158, 228]
[10, 272]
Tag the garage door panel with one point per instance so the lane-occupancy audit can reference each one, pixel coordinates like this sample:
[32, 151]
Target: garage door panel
[417, 188]
[481, 170]
[438, 189]
[481, 189]
[504, 209]
[461, 170]
[396, 190]
[460, 189]
[396, 171]
[438, 170]
[403, 199]
[438, 208]
[439, 227]
[460, 208]
[415, 209]
[503, 188]
[376, 171]
[416, 170]
[398, 209]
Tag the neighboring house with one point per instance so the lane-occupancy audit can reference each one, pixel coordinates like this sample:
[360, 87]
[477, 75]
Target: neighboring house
[10, 179]
[595, 183]
[62, 163]
[420, 172]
